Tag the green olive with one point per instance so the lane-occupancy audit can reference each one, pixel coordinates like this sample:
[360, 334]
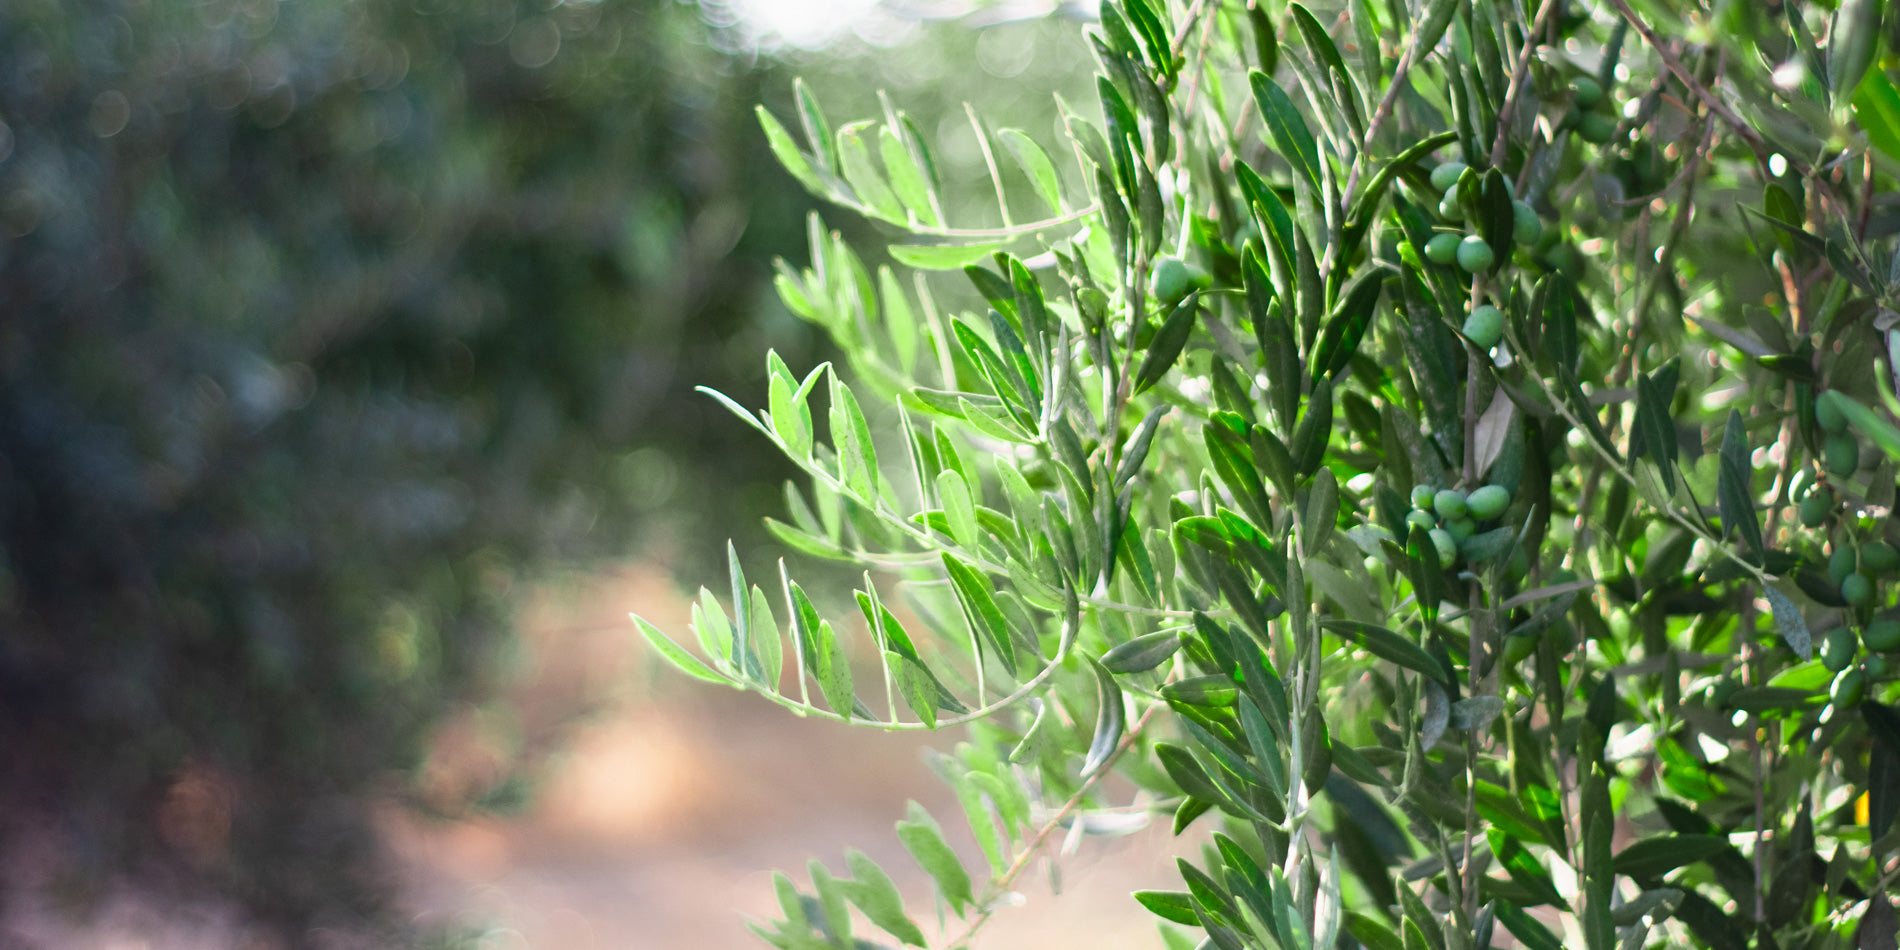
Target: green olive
[1842, 563]
[1447, 175]
[1526, 227]
[1837, 651]
[1172, 278]
[1842, 453]
[1442, 248]
[1848, 688]
[1461, 528]
[1485, 326]
[1422, 496]
[1596, 128]
[1447, 546]
[1882, 636]
[1587, 92]
[1449, 208]
[1874, 666]
[1828, 413]
[1879, 557]
[1450, 504]
[1474, 255]
[1422, 519]
[1488, 502]
[1816, 507]
[1857, 590]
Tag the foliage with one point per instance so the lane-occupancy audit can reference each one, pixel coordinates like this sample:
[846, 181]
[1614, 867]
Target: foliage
[1443, 617]
[325, 324]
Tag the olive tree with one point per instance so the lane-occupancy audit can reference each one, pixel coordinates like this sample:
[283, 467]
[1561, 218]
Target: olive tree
[1446, 453]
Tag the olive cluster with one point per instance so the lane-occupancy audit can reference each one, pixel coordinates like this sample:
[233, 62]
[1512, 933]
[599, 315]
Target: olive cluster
[1815, 505]
[1841, 647]
[1590, 112]
[1450, 516]
[1855, 570]
[1485, 325]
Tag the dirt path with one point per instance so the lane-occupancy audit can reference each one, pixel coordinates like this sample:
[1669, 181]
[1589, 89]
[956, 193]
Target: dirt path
[661, 822]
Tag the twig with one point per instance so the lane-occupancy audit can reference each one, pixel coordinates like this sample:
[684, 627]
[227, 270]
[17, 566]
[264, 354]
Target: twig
[1000, 884]
[1519, 74]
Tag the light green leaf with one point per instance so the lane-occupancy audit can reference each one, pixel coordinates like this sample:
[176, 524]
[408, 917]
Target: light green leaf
[958, 509]
[907, 179]
[715, 632]
[979, 606]
[1788, 620]
[875, 894]
[872, 192]
[765, 641]
[1036, 167]
[851, 437]
[787, 152]
[942, 256]
[923, 838]
[674, 654]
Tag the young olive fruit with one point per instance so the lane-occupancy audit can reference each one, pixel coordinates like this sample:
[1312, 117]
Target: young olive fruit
[1461, 528]
[1587, 92]
[1828, 413]
[1446, 544]
[1816, 507]
[1879, 557]
[1596, 128]
[1485, 326]
[1882, 636]
[1488, 502]
[1842, 453]
[1474, 255]
[1442, 248]
[1422, 496]
[1450, 504]
[1172, 278]
[1837, 651]
[1526, 227]
[1857, 590]
[1447, 175]
[1848, 688]
[1423, 519]
[1449, 208]
[1874, 666]
[1842, 563]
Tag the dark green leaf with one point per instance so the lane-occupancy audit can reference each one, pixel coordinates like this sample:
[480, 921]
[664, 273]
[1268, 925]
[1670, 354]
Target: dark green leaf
[1110, 719]
[1658, 431]
[1290, 134]
[1527, 929]
[1348, 323]
[1388, 645]
[1651, 858]
[1315, 429]
[1167, 343]
[1175, 906]
[1733, 486]
[1143, 653]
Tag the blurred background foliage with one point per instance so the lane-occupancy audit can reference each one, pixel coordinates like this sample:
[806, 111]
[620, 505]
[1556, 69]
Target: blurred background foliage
[326, 327]
[323, 327]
